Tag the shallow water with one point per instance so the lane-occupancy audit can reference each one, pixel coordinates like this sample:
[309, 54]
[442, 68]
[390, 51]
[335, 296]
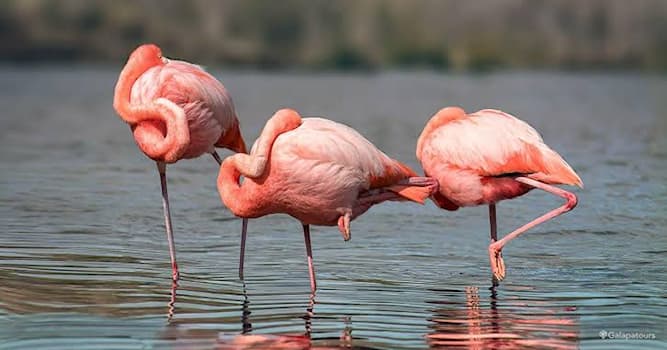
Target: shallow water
[84, 261]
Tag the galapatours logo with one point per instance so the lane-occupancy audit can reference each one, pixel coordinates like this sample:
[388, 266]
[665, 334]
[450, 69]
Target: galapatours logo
[604, 334]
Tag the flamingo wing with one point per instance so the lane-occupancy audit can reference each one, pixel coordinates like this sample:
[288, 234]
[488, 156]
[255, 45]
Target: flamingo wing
[327, 141]
[204, 99]
[342, 150]
[493, 143]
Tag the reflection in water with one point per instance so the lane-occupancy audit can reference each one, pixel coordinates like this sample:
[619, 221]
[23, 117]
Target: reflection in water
[190, 339]
[172, 300]
[477, 327]
[245, 312]
[66, 283]
[82, 263]
[308, 317]
[264, 342]
[346, 335]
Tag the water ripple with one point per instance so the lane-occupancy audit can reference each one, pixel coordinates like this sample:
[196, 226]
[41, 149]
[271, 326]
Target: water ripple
[84, 261]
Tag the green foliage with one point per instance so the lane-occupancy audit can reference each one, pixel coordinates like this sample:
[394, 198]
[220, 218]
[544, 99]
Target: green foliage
[347, 59]
[344, 34]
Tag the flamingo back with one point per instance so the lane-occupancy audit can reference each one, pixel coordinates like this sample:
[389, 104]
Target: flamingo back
[207, 104]
[326, 141]
[493, 143]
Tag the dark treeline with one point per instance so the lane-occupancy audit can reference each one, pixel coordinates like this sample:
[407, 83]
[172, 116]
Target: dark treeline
[324, 34]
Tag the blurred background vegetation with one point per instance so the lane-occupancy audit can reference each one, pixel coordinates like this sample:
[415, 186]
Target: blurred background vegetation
[344, 34]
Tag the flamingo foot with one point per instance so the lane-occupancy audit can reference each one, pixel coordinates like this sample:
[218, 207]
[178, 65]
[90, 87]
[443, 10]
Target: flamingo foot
[344, 225]
[497, 263]
[428, 182]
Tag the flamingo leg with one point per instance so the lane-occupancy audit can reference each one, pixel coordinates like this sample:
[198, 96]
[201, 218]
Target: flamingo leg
[379, 195]
[309, 255]
[421, 181]
[244, 227]
[216, 156]
[494, 238]
[162, 169]
[244, 230]
[495, 248]
[492, 221]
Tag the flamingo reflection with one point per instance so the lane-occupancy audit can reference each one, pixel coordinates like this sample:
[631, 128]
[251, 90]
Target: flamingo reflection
[479, 327]
[186, 339]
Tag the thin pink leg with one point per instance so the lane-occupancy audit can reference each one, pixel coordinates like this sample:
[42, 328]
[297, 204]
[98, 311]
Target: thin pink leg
[162, 169]
[421, 181]
[309, 255]
[244, 226]
[379, 195]
[494, 238]
[497, 264]
[244, 230]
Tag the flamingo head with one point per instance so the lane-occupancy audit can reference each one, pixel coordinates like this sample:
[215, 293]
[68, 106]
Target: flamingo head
[148, 55]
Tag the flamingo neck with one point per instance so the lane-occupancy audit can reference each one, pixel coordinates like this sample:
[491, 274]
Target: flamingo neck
[231, 191]
[128, 76]
[161, 130]
[160, 127]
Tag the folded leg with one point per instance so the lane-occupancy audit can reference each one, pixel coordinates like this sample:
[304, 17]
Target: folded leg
[495, 248]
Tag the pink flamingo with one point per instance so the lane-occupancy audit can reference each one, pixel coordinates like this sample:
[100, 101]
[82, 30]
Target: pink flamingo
[489, 156]
[319, 172]
[176, 111]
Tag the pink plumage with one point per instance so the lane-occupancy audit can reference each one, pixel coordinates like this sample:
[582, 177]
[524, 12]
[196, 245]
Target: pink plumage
[316, 170]
[175, 110]
[194, 103]
[489, 156]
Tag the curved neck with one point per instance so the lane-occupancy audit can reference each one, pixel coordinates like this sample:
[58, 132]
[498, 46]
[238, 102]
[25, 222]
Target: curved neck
[230, 189]
[169, 147]
[242, 200]
[122, 93]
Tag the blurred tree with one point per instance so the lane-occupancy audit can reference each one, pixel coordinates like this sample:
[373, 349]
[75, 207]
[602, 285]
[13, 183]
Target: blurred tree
[345, 34]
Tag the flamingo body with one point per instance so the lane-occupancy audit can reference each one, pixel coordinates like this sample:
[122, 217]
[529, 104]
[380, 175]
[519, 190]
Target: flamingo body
[474, 156]
[317, 171]
[207, 105]
[195, 104]
[489, 156]
[176, 111]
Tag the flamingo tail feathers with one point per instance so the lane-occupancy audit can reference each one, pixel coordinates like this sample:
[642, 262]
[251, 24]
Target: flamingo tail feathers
[413, 193]
[555, 170]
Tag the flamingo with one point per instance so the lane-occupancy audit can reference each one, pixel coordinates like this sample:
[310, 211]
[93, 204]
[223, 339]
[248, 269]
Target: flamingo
[175, 111]
[489, 156]
[319, 172]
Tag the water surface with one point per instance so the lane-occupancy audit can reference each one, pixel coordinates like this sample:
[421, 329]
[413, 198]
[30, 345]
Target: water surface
[84, 261]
